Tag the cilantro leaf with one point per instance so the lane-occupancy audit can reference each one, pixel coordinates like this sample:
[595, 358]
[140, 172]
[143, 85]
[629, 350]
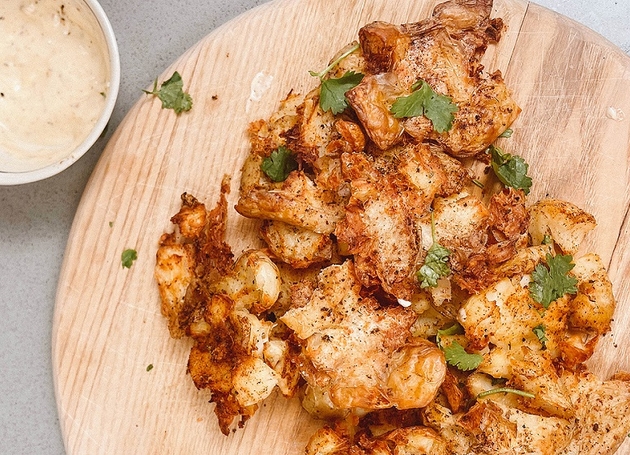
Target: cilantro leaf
[539, 331]
[435, 266]
[521, 393]
[455, 329]
[172, 95]
[346, 51]
[127, 257]
[553, 282]
[332, 94]
[435, 263]
[456, 356]
[424, 101]
[511, 170]
[279, 164]
[507, 133]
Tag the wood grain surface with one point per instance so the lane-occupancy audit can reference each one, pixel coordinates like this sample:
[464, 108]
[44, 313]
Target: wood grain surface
[574, 131]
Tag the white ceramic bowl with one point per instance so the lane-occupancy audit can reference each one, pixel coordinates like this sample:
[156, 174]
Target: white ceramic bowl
[18, 173]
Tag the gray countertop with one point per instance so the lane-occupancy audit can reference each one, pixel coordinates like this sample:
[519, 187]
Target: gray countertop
[35, 218]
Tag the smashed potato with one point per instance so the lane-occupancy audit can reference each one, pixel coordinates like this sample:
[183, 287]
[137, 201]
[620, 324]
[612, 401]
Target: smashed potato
[410, 310]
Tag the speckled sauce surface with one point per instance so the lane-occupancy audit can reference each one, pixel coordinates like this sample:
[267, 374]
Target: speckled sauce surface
[35, 218]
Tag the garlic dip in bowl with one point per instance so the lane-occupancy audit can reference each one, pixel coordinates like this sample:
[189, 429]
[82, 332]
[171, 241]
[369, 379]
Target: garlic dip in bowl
[59, 78]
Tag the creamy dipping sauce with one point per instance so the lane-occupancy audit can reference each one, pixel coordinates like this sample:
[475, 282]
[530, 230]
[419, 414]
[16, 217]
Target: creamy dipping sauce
[54, 78]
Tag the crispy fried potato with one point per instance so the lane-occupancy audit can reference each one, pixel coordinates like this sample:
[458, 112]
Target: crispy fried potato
[298, 247]
[594, 305]
[601, 410]
[296, 201]
[502, 429]
[565, 223]
[357, 351]
[444, 51]
[253, 283]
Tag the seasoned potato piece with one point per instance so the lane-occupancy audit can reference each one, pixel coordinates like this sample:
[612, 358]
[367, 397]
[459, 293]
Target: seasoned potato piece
[502, 429]
[296, 201]
[191, 255]
[505, 315]
[383, 45]
[296, 246]
[379, 233]
[268, 135]
[349, 341]
[460, 219]
[316, 129]
[497, 363]
[253, 381]
[479, 120]
[355, 61]
[279, 356]
[372, 100]
[253, 283]
[524, 262]
[174, 272]
[441, 419]
[378, 229]
[416, 441]
[417, 370]
[191, 218]
[594, 305]
[326, 441]
[564, 222]
[534, 372]
[502, 315]
[317, 403]
[601, 409]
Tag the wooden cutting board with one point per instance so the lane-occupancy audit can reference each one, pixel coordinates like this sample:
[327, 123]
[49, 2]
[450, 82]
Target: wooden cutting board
[573, 86]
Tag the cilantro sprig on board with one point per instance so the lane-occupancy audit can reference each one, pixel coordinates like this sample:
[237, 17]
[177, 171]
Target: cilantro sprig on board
[128, 257]
[172, 95]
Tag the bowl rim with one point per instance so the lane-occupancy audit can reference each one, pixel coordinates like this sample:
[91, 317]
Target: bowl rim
[17, 178]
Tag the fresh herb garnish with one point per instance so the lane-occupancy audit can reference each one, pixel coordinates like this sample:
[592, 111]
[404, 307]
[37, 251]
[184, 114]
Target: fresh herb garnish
[435, 263]
[435, 266]
[511, 170]
[279, 164]
[507, 133]
[172, 95]
[127, 257]
[149, 367]
[332, 93]
[506, 390]
[552, 282]
[478, 184]
[455, 329]
[539, 331]
[454, 353]
[456, 356]
[424, 101]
